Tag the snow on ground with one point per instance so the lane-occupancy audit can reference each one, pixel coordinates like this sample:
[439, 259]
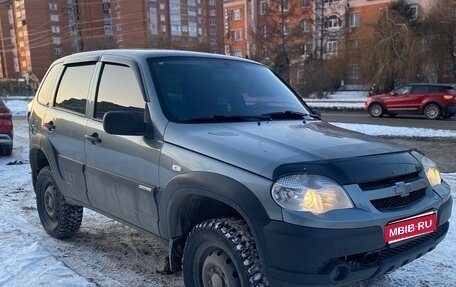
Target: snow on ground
[107, 253]
[379, 130]
[18, 106]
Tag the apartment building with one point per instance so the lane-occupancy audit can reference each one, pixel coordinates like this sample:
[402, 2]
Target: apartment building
[235, 28]
[34, 33]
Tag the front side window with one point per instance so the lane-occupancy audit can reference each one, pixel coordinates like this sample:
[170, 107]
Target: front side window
[192, 89]
[118, 90]
[74, 88]
[405, 90]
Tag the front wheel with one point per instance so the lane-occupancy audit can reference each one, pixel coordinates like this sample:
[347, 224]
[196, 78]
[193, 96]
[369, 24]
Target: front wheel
[222, 252]
[432, 111]
[59, 219]
[376, 110]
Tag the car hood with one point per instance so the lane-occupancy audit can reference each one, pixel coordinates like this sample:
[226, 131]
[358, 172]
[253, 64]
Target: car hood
[261, 147]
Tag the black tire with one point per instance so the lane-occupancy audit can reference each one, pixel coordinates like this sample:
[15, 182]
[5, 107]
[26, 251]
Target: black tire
[222, 252]
[376, 110]
[432, 111]
[59, 219]
[6, 150]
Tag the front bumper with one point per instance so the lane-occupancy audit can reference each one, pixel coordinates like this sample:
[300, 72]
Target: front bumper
[309, 256]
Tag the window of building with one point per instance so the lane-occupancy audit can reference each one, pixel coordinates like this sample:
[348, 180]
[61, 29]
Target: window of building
[300, 75]
[306, 49]
[330, 1]
[213, 41]
[54, 18]
[414, 11]
[212, 2]
[264, 52]
[284, 28]
[284, 5]
[212, 32]
[237, 54]
[116, 82]
[108, 30]
[333, 22]
[353, 72]
[72, 95]
[119, 27]
[264, 31]
[55, 29]
[58, 51]
[162, 17]
[264, 7]
[212, 22]
[163, 28]
[305, 3]
[56, 41]
[449, 69]
[200, 11]
[52, 6]
[306, 26]
[119, 38]
[352, 44]
[331, 47]
[236, 35]
[162, 6]
[212, 12]
[354, 19]
[236, 14]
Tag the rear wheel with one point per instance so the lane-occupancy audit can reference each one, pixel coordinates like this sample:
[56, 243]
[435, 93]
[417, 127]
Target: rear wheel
[6, 150]
[58, 218]
[221, 252]
[432, 111]
[376, 110]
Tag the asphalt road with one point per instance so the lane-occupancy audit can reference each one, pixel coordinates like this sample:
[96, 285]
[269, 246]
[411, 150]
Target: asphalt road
[414, 121]
[442, 150]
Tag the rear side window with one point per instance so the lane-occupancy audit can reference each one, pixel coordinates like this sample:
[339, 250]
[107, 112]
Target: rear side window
[74, 87]
[118, 90]
[419, 89]
[47, 88]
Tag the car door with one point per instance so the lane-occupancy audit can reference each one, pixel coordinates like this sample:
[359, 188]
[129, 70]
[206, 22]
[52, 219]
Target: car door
[397, 100]
[417, 96]
[122, 171]
[63, 128]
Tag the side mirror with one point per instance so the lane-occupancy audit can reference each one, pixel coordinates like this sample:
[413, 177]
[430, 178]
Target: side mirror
[392, 93]
[123, 123]
[317, 112]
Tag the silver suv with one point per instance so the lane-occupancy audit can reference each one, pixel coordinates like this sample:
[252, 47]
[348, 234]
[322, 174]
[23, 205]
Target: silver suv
[224, 162]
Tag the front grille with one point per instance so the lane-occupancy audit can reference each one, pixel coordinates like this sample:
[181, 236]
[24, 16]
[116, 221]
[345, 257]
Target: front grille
[388, 182]
[398, 201]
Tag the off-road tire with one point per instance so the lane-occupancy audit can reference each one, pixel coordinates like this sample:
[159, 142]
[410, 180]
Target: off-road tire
[59, 219]
[217, 245]
[432, 111]
[376, 110]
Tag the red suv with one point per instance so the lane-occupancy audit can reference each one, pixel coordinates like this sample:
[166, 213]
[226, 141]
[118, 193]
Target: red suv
[6, 130]
[432, 100]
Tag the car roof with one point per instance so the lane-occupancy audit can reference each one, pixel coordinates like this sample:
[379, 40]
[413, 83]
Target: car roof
[141, 54]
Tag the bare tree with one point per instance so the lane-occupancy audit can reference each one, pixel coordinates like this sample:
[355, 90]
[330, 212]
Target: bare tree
[440, 30]
[397, 52]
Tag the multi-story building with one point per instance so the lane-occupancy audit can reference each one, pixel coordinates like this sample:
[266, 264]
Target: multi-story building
[34, 33]
[235, 28]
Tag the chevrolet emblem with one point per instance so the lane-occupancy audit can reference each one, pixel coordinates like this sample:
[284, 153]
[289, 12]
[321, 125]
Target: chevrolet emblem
[403, 189]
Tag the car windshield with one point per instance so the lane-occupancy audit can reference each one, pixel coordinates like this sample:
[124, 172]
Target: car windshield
[201, 90]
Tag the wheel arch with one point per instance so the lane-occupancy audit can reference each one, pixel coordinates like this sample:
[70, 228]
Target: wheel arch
[194, 197]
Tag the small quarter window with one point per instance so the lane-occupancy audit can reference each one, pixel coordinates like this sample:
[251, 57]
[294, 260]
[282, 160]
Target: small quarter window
[47, 87]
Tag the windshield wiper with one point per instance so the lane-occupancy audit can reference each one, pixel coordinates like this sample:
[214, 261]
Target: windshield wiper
[288, 115]
[227, 118]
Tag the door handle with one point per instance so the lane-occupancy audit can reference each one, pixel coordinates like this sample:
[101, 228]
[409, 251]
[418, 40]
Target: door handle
[50, 126]
[93, 138]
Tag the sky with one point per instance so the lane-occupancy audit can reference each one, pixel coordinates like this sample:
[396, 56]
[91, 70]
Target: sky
[106, 253]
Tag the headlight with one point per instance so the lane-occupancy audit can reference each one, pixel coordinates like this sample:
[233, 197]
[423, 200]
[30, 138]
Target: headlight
[432, 171]
[430, 168]
[313, 193]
